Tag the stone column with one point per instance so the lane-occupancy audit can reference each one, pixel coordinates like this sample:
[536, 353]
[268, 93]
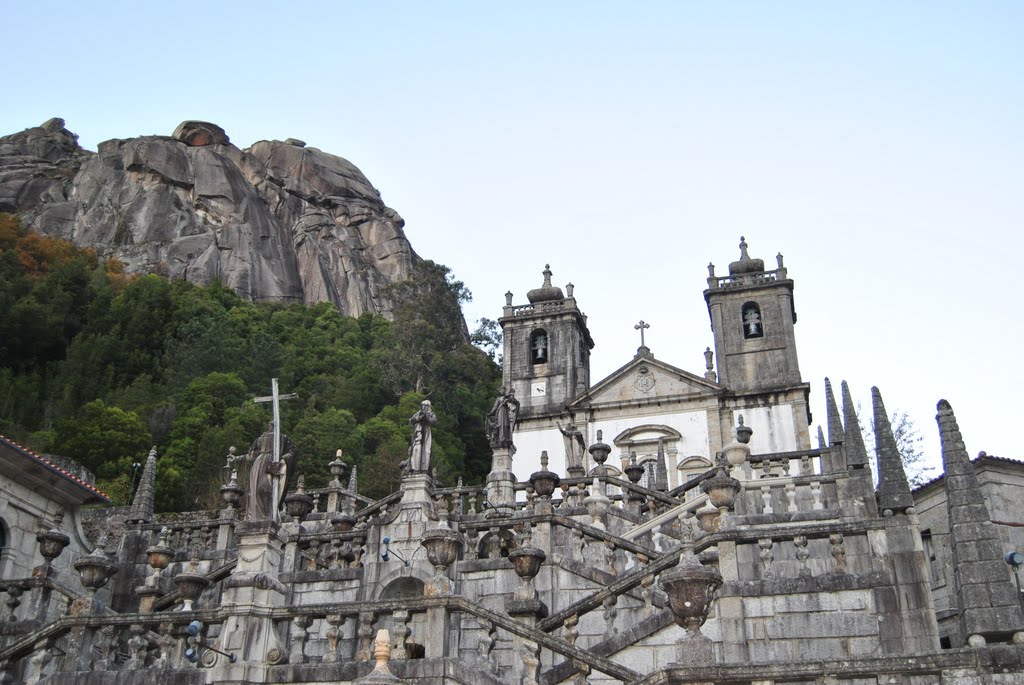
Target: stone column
[501, 481]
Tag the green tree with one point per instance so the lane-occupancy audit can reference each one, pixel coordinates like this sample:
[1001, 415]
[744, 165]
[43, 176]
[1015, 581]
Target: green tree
[100, 435]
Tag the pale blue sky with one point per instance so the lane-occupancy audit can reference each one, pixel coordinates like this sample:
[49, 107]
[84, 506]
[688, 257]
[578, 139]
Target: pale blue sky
[879, 146]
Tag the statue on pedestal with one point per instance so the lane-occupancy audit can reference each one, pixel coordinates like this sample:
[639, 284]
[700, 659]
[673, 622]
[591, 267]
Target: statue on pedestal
[502, 419]
[419, 446]
[574, 446]
[266, 475]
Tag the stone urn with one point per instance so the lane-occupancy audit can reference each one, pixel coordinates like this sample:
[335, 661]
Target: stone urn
[721, 490]
[160, 555]
[343, 522]
[443, 547]
[51, 544]
[96, 568]
[190, 584]
[743, 433]
[298, 505]
[634, 472]
[231, 492]
[691, 588]
[708, 519]
[526, 561]
[337, 467]
[544, 482]
[599, 451]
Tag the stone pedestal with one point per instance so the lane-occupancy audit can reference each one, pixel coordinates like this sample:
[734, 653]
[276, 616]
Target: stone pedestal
[415, 489]
[501, 494]
[253, 589]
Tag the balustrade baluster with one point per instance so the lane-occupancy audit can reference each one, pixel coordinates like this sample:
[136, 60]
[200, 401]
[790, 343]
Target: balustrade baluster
[802, 553]
[791, 497]
[766, 500]
[365, 634]
[766, 556]
[816, 494]
[402, 632]
[299, 635]
[838, 552]
[333, 637]
[485, 644]
[610, 613]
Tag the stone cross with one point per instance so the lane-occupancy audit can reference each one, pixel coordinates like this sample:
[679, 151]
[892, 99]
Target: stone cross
[274, 398]
[642, 326]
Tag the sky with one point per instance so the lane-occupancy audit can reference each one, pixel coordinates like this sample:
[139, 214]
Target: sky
[879, 146]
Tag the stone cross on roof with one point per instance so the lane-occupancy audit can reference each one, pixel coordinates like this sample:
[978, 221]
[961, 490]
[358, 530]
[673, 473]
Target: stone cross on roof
[642, 326]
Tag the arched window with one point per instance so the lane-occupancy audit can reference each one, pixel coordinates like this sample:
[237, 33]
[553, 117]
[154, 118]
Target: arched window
[753, 326]
[539, 347]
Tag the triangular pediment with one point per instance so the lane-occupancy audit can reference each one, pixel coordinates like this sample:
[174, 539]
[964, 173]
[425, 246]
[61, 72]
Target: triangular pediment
[646, 379]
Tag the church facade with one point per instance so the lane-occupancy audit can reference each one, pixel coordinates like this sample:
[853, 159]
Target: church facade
[667, 527]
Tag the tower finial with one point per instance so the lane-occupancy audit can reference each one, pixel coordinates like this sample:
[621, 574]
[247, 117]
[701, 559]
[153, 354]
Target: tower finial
[856, 454]
[743, 248]
[547, 275]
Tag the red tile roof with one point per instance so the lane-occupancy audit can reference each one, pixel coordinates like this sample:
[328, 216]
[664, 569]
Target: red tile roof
[53, 467]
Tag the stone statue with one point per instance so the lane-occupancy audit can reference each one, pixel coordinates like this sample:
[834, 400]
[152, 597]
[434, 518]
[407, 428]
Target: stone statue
[259, 501]
[574, 446]
[419, 447]
[502, 418]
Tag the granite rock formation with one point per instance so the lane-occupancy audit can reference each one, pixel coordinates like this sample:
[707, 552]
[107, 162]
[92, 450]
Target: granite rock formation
[278, 221]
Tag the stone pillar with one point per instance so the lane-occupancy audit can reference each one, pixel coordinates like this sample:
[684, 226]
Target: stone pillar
[252, 590]
[501, 481]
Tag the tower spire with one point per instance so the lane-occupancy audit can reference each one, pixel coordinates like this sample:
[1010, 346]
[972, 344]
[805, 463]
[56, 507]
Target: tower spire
[893, 489]
[143, 503]
[989, 608]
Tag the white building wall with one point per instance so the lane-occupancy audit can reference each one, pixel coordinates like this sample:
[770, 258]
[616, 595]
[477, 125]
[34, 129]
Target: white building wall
[774, 430]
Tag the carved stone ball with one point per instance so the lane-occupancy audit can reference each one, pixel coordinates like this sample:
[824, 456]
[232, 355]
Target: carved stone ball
[443, 546]
[526, 561]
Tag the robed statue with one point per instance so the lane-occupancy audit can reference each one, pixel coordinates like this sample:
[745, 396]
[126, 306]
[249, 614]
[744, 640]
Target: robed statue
[265, 475]
[574, 446]
[502, 419]
[419, 446]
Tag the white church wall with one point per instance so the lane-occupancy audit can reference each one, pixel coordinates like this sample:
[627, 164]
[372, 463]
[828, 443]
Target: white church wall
[774, 430]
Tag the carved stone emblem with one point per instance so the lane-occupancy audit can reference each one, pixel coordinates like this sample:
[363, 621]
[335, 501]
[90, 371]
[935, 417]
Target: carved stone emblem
[644, 379]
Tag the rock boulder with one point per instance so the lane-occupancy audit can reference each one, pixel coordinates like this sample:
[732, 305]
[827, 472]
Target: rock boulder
[278, 221]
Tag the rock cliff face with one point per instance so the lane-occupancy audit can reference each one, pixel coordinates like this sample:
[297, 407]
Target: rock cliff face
[275, 222]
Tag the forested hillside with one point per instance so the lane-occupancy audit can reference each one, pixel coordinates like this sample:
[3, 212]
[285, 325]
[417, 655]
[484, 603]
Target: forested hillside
[98, 367]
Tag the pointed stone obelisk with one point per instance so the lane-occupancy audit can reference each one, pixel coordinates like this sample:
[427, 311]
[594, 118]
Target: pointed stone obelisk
[822, 444]
[853, 441]
[836, 458]
[985, 595]
[893, 490]
[143, 503]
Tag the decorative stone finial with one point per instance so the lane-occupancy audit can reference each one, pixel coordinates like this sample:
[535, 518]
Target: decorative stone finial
[143, 503]
[569, 287]
[547, 292]
[856, 453]
[745, 265]
[544, 460]
[893, 489]
[508, 298]
[985, 595]
[743, 248]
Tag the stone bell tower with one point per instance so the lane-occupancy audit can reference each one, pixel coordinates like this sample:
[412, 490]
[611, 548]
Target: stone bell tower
[547, 349]
[752, 317]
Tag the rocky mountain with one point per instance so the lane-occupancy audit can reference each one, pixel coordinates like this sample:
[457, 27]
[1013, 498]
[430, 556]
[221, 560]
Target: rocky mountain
[277, 221]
